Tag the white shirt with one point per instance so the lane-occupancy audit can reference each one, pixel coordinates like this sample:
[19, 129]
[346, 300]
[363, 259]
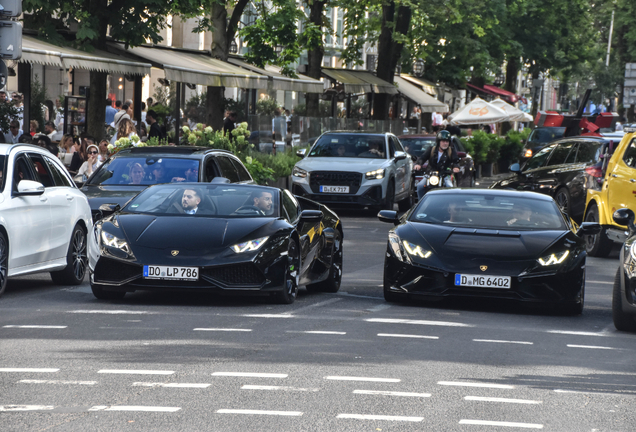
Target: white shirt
[11, 139]
[84, 168]
[439, 155]
[193, 211]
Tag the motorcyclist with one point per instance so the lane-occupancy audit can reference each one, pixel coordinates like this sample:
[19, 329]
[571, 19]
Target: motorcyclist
[441, 158]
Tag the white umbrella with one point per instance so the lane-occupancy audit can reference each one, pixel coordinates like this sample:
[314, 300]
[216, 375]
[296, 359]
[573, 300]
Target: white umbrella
[478, 111]
[514, 113]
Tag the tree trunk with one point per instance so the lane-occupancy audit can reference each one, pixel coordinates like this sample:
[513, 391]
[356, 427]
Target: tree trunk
[214, 107]
[96, 112]
[536, 97]
[512, 68]
[389, 51]
[314, 58]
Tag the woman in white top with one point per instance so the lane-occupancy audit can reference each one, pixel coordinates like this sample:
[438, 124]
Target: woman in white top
[92, 163]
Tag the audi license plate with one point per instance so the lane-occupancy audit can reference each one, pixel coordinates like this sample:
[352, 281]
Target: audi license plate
[171, 273]
[482, 281]
[334, 189]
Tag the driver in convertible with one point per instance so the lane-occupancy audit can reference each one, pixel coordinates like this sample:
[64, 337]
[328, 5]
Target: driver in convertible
[190, 201]
[263, 201]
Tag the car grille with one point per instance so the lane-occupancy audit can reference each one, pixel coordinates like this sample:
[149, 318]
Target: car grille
[109, 270]
[245, 274]
[335, 178]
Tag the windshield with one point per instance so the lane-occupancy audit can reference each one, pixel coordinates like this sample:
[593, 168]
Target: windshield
[545, 135]
[350, 146]
[417, 146]
[203, 199]
[146, 170]
[489, 211]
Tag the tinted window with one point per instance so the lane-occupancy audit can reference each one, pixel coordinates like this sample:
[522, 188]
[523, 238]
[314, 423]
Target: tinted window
[228, 170]
[538, 160]
[630, 155]
[350, 145]
[290, 205]
[416, 146]
[560, 153]
[2, 170]
[391, 148]
[146, 171]
[398, 144]
[211, 170]
[588, 152]
[545, 135]
[42, 170]
[21, 170]
[240, 169]
[58, 175]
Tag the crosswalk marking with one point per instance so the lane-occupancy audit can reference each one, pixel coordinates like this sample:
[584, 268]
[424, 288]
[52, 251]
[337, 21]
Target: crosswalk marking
[27, 381]
[28, 370]
[135, 372]
[223, 329]
[260, 412]
[494, 399]
[417, 322]
[250, 374]
[501, 423]
[391, 393]
[406, 336]
[349, 378]
[475, 384]
[35, 326]
[134, 408]
[26, 407]
[283, 388]
[379, 417]
[171, 385]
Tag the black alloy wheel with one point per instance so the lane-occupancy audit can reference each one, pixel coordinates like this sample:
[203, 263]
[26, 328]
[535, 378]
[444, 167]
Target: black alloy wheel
[292, 274]
[597, 245]
[76, 260]
[333, 281]
[562, 198]
[4, 260]
[622, 320]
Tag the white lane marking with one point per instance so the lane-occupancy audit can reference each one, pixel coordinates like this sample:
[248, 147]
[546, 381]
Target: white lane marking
[311, 306]
[390, 393]
[170, 385]
[379, 417]
[283, 388]
[505, 400]
[349, 378]
[134, 408]
[589, 392]
[503, 341]
[135, 372]
[591, 347]
[406, 336]
[576, 333]
[57, 382]
[474, 384]
[419, 322]
[260, 412]
[268, 316]
[222, 329]
[25, 407]
[600, 282]
[35, 326]
[41, 370]
[317, 332]
[249, 374]
[500, 423]
[111, 312]
[379, 308]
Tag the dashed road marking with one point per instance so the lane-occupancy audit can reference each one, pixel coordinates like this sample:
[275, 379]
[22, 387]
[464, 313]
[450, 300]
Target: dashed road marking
[311, 306]
[27, 370]
[282, 388]
[322, 332]
[391, 393]
[260, 412]
[135, 372]
[268, 316]
[27, 381]
[111, 312]
[134, 408]
[35, 326]
[501, 423]
[222, 329]
[250, 374]
[170, 385]
[591, 347]
[369, 379]
[379, 417]
[577, 333]
[406, 336]
[475, 384]
[505, 400]
[26, 407]
[418, 322]
[600, 282]
[590, 392]
[503, 341]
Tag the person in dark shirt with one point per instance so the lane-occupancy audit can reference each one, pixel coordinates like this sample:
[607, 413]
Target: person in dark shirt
[155, 130]
[228, 124]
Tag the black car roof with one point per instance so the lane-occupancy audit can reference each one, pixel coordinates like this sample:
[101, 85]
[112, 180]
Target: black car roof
[494, 192]
[171, 150]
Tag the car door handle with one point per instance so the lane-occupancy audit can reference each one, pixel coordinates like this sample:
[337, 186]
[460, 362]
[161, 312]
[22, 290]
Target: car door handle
[43, 198]
[70, 197]
[632, 181]
[614, 175]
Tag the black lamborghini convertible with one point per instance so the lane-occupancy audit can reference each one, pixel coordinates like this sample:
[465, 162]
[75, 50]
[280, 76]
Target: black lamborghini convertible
[486, 243]
[219, 237]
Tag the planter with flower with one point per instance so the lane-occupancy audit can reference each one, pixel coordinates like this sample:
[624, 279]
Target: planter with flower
[123, 143]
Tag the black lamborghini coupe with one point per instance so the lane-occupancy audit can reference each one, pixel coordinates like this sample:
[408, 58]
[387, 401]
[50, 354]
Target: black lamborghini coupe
[624, 291]
[486, 243]
[218, 237]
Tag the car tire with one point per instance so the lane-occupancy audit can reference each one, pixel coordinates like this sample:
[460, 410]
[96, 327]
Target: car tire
[622, 320]
[597, 245]
[101, 293]
[76, 260]
[292, 274]
[4, 262]
[390, 196]
[333, 281]
[562, 198]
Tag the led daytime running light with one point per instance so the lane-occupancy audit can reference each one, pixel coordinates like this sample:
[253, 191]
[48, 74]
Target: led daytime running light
[554, 259]
[376, 174]
[249, 246]
[114, 242]
[416, 250]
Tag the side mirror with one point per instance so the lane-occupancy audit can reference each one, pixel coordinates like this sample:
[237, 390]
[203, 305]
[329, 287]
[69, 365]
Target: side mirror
[399, 155]
[389, 216]
[515, 168]
[29, 188]
[310, 216]
[301, 153]
[589, 228]
[109, 208]
[623, 217]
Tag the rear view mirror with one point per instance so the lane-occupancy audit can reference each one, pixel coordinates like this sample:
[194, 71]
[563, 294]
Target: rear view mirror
[388, 216]
[623, 217]
[589, 228]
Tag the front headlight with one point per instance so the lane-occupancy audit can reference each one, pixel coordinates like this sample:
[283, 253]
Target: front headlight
[376, 174]
[398, 250]
[115, 242]
[553, 259]
[416, 250]
[249, 246]
[299, 172]
[433, 181]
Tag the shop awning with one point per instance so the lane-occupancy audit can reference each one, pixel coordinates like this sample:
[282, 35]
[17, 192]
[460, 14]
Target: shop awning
[197, 67]
[480, 90]
[40, 52]
[358, 81]
[426, 102]
[427, 86]
[281, 82]
[509, 96]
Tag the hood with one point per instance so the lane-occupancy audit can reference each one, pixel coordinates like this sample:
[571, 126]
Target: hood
[361, 165]
[105, 194]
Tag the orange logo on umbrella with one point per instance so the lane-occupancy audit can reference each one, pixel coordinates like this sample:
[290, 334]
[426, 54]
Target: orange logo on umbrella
[478, 111]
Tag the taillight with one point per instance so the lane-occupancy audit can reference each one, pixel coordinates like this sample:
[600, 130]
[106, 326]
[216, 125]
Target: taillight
[594, 171]
[528, 153]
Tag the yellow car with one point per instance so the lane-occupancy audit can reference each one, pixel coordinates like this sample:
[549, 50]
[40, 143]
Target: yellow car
[617, 190]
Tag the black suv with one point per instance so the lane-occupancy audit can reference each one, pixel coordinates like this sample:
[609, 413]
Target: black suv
[132, 170]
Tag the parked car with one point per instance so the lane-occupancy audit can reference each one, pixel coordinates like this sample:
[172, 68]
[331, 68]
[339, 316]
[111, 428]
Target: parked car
[624, 290]
[486, 243]
[44, 218]
[243, 239]
[539, 138]
[355, 169]
[616, 191]
[132, 170]
[562, 170]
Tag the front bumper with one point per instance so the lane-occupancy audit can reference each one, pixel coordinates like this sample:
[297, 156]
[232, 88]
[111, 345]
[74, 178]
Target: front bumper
[368, 193]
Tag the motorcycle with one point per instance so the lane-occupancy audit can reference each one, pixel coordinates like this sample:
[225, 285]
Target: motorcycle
[434, 179]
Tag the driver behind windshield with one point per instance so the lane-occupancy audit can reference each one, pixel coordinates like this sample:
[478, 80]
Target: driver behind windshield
[263, 201]
[374, 150]
[190, 201]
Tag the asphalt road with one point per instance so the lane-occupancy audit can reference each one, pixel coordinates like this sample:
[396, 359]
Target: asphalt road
[329, 362]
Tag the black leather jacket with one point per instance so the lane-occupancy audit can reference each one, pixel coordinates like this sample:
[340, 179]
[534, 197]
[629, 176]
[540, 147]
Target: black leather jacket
[444, 163]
